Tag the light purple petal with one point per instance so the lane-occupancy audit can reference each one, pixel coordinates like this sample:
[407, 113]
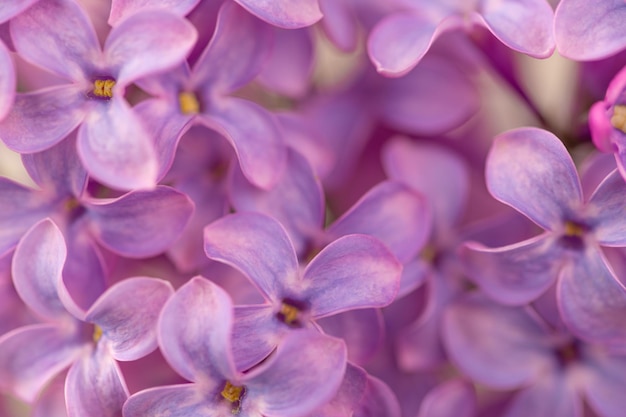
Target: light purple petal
[551, 396]
[147, 43]
[7, 81]
[258, 246]
[66, 45]
[379, 400]
[127, 313]
[30, 356]
[296, 201]
[530, 170]
[355, 271]
[391, 212]
[600, 127]
[339, 24]
[501, 347]
[606, 206]
[121, 9]
[140, 223]
[11, 8]
[455, 398]
[438, 174]
[254, 134]
[41, 119]
[237, 52]
[304, 373]
[200, 350]
[256, 333]
[514, 274]
[288, 14]
[37, 269]
[524, 26]
[174, 401]
[590, 30]
[115, 147]
[51, 401]
[348, 396]
[591, 299]
[604, 384]
[400, 40]
[95, 386]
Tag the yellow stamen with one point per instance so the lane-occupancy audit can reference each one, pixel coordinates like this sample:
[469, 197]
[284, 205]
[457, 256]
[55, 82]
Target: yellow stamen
[428, 254]
[71, 204]
[233, 393]
[618, 120]
[289, 312]
[188, 103]
[97, 333]
[103, 88]
[573, 229]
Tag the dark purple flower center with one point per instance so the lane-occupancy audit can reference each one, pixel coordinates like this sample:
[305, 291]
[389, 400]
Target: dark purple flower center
[568, 353]
[618, 119]
[291, 311]
[234, 394]
[573, 235]
[102, 88]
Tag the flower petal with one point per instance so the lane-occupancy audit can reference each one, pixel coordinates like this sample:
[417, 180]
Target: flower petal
[41, 119]
[67, 45]
[256, 333]
[126, 227]
[258, 246]
[455, 398]
[530, 170]
[199, 350]
[172, 400]
[514, 274]
[606, 206]
[354, 271]
[590, 31]
[604, 382]
[115, 147]
[10, 9]
[121, 9]
[7, 82]
[288, 14]
[37, 269]
[550, 396]
[127, 313]
[148, 42]
[348, 396]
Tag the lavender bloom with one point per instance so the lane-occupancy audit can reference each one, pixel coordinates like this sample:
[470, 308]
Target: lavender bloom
[120, 325]
[112, 142]
[530, 170]
[303, 374]
[354, 271]
[399, 41]
[590, 30]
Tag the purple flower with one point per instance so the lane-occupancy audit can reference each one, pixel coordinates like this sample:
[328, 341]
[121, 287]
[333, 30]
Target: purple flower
[288, 14]
[303, 373]
[121, 9]
[112, 142]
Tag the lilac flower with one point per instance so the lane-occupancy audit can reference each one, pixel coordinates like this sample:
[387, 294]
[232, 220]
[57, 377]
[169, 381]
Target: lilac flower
[120, 325]
[530, 170]
[455, 398]
[120, 9]
[288, 14]
[354, 271]
[590, 30]
[183, 97]
[607, 121]
[303, 374]
[400, 40]
[113, 144]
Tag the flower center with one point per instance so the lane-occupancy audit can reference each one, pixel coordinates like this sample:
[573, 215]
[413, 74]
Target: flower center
[290, 312]
[188, 103]
[103, 88]
[234, 394]
[97, 333]
[573, 235]
[618, 120]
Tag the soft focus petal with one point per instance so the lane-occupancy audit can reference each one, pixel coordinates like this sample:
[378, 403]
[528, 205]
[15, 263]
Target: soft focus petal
[348, 396]
[455, 398]
[121, 9]
[355, 271]
[530, 170]
[600, 127]
[115, 148]
[606, 208]
[391, 212]
[604, 384]
[66, 45]
[10, 8]
[7, 81]
[258, 246]
[253, 132]
[147, 43]
[141, 223]
[304, 373]
[95, 386]
[590, 30]
[127, 313]
[30, 356]
[288, 14]
[37, 269]
[339, 24]
[514, 274]
[524, 26]
[41, 119]
[591, 299]
[501, 347]
[551, 396]
[200, 349]
[379, 400]
[174, 401]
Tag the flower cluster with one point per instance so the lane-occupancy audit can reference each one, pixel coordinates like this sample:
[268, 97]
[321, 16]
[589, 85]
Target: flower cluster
[312, 208]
